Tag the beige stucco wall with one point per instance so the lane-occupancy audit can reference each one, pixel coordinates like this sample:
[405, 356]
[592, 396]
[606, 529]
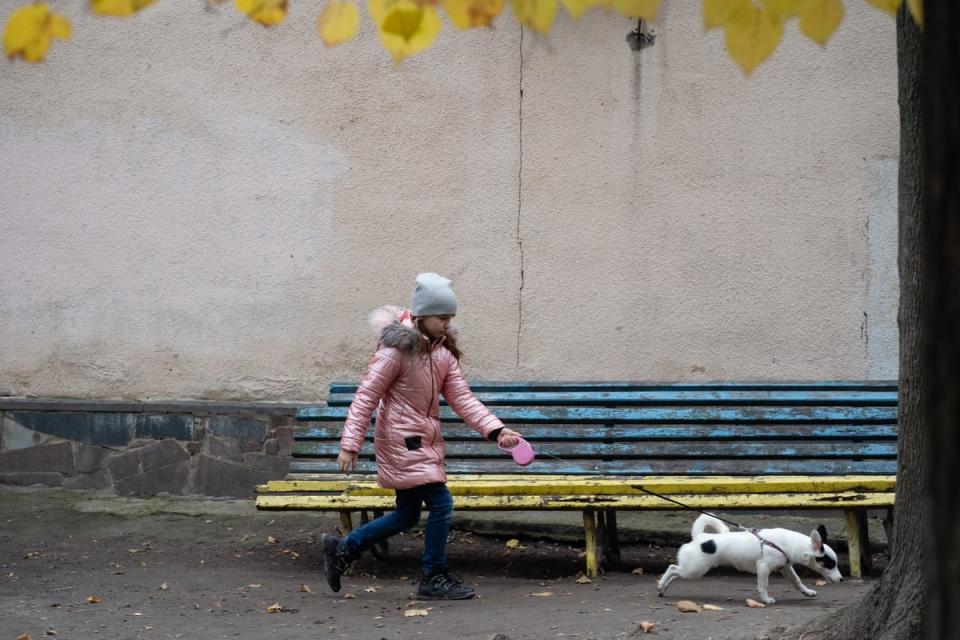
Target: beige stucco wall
[193, 207]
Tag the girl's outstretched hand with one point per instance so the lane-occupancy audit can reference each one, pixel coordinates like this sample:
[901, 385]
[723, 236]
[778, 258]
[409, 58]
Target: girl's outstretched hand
[347, 461]
[507, 437]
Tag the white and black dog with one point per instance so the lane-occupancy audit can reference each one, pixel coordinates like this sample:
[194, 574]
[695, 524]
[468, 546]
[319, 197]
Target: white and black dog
[758, 552]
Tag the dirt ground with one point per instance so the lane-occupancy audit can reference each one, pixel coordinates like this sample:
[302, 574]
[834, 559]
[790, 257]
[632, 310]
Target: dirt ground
[196, 568]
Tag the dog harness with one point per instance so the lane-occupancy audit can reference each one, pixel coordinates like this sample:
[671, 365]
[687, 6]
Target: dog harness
[764, 542]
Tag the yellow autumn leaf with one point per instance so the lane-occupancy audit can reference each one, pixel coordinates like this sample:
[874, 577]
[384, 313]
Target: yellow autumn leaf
[405, 26]
[640, 9]
[890, 6]
[576, 8]
[536, 14]
[916, 10]
[467, 14]
[821, 20]
[784, 9]
[752, 36]
[338, 22]
[266, 12]
[30, 29]
[717, 13]
[120, 8]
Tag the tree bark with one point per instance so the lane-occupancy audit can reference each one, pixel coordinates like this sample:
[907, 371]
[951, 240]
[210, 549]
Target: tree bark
[941, 130]
[895, 607]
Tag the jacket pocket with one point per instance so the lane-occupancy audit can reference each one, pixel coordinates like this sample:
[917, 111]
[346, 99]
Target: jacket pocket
[413, 442]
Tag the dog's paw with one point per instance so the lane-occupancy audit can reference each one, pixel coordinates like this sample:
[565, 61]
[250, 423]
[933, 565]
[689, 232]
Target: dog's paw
[810, 593]
[769, 600]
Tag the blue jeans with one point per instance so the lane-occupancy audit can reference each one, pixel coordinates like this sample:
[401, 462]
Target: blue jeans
[440, 504]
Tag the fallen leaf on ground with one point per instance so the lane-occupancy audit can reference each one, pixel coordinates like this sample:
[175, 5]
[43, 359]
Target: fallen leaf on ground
[93, 599]
[275, 608]
[349, 596]
[51, 632]
[271, 540]
[542, 594]
[290, 552]
[513, 543]
[371, 589]
[712, 607]
[647, 627]
[688, 606]
[638, 572]
[470, 541]
[163, 587]
[753, 604]
[304, 588]
[253, 586]
[821, 583]
[411, 613]
[584, 580]
[25, 636]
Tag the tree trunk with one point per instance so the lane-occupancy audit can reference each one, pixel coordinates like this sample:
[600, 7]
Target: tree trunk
[895, 607]
[941, 104]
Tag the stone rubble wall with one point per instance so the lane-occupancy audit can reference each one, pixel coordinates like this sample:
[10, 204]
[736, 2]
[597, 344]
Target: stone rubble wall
[145, 449]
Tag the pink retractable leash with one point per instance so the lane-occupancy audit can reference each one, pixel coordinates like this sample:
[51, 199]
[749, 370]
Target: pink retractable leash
[522, 452]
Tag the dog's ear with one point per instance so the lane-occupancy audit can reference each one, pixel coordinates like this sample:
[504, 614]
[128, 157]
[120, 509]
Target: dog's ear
[816, 541]
[822, 530]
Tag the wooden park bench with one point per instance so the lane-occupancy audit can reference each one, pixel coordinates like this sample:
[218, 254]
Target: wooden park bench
[729, 446]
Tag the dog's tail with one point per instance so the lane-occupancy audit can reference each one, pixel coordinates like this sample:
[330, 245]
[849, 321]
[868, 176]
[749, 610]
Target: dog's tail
[707, 524]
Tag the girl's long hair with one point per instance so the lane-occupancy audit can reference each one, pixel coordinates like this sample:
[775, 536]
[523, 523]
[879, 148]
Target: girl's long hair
[450, 341]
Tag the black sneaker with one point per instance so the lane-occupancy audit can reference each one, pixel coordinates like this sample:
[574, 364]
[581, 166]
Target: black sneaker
[336, 560]
[443, 586]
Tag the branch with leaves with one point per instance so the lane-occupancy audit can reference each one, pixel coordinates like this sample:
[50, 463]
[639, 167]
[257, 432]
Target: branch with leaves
[753, 28]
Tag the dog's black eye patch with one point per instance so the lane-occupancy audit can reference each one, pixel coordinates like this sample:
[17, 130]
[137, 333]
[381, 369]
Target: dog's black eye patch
[709, 546]
[827, 562]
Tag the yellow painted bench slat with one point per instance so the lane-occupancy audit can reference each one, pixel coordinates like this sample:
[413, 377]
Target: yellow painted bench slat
[560, 485]
[758, 501]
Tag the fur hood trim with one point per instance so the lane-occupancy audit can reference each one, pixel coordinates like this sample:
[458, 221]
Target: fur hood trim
[394, 328]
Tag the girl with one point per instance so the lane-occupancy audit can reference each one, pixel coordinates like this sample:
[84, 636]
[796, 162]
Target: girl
[417, 359]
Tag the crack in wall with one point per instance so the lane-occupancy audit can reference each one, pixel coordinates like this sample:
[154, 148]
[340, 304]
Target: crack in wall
[520, 206]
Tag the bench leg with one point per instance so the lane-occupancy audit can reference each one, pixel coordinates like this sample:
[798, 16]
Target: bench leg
[888, 529]
[612, 547]
[590, 536]
[346, 523]
[381, 550]
[858, 543]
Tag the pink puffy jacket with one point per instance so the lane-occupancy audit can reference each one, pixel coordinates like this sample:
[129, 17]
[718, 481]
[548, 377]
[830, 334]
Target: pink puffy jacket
[403, 383]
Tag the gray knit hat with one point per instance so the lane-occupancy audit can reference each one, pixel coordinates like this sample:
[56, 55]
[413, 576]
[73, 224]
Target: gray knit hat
[433, 296]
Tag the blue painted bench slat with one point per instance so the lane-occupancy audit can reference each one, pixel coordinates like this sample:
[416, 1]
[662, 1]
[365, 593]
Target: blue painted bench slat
[659, 414]
[670, 398]
[639, 433]
[825, 385]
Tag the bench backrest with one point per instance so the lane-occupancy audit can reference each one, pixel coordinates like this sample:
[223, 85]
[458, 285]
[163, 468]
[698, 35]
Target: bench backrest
[823, 428]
